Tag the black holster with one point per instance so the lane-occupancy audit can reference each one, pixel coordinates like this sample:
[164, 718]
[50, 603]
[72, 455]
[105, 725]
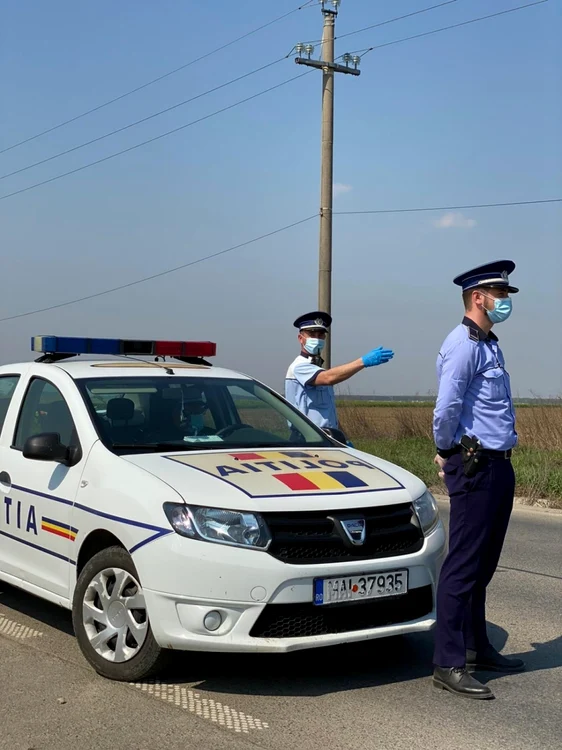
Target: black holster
[472, 457]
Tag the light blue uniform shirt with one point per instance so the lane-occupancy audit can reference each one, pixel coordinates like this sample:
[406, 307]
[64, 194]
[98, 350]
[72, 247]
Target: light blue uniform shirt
[318, 403]
[474, 395]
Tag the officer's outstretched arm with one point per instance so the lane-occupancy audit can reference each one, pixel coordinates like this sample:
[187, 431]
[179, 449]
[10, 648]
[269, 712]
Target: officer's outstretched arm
[336, 375]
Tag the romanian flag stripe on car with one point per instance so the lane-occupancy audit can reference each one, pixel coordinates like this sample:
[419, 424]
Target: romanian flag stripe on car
[320, 480]
[58, 528]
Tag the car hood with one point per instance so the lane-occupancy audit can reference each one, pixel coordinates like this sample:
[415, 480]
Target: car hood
[276, 480]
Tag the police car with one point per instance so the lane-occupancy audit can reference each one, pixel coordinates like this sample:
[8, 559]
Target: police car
[170, 504]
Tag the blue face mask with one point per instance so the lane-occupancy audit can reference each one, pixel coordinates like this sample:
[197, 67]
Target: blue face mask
[502, 309]
[314, 346]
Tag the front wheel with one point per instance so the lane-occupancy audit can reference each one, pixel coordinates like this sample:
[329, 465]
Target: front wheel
[110, 618]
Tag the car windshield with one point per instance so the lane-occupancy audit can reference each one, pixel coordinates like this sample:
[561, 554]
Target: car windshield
[152, 414]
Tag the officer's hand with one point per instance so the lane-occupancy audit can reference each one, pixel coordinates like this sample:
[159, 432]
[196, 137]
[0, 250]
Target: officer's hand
[440, 461]
[377, 357]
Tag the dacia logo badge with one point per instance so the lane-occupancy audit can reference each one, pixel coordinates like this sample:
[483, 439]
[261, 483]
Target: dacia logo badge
[355, 529]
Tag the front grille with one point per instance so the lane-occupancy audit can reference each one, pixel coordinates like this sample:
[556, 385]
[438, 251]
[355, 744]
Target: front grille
[302, 620]
[312, 537]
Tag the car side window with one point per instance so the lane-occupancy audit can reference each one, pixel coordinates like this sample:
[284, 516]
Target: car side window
[7, 387]
[44, 410]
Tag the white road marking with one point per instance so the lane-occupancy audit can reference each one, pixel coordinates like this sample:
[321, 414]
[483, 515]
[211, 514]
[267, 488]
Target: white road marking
[206, 708]
[16, 630]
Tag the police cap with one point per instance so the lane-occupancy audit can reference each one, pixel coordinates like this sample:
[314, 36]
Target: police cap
[317, 320]
[494, 274]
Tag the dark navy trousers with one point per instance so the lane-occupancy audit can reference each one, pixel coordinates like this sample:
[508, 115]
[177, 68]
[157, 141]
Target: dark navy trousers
[480, 510]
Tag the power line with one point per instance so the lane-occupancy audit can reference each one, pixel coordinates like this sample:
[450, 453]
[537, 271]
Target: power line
[155, 138]
[265, 236]
[199, 96]
[389, 20]
[452, 26]
[398, 18]
[161, 273]
[163, 135]
[447, 208]
[159, 78]
[364, 51]
[144, 119]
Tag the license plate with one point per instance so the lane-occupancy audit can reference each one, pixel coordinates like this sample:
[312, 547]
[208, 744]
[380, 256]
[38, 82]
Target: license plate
[359, 588]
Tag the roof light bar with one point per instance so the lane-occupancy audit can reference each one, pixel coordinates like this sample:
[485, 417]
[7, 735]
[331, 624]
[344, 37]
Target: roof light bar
[70, 345]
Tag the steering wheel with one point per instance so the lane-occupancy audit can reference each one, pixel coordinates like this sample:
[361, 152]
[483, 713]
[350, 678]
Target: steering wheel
[229, 429]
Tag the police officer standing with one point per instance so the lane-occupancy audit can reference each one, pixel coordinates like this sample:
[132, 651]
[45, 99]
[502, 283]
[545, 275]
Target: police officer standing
[308, 386]
[474, 430]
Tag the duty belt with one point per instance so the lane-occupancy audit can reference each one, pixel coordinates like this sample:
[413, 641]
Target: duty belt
[496, 454]
[486, 452]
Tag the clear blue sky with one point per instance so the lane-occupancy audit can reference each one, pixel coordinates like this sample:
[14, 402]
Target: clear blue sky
[472, 115]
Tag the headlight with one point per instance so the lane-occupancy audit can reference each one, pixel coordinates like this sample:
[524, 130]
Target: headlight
[237, 528]
[426, 511]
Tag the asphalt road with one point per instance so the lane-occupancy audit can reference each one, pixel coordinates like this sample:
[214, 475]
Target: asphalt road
[374, 695]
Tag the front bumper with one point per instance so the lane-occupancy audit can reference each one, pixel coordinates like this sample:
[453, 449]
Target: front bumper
[272, 610]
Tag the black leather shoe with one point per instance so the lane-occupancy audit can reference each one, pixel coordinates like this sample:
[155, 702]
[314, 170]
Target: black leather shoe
[493, 661]
[457, 680]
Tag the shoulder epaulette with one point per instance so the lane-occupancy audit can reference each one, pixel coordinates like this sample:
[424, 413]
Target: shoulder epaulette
[473, 334]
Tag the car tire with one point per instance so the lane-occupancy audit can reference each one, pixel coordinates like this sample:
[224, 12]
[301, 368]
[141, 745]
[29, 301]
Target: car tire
[110, 619]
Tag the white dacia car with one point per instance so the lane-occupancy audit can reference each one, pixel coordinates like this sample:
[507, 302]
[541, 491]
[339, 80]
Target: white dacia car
[174, 505]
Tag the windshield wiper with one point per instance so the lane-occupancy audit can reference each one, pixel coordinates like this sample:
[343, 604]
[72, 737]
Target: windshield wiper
[203, 445]
[279, 445]
[157, 446]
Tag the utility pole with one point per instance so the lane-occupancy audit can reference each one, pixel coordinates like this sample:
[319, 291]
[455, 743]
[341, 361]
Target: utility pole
[329, 68]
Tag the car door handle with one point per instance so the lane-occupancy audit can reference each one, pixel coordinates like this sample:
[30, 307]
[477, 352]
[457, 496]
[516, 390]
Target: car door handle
[5, 481]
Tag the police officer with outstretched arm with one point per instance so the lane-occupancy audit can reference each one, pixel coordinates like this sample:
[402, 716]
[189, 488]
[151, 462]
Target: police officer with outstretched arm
[308, 386]
[474, 429]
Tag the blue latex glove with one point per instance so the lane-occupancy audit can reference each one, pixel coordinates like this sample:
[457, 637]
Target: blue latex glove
[377, 357]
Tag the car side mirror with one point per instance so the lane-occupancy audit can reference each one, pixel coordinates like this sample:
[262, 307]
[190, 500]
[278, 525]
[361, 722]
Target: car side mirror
[336, 434]
[47, 447]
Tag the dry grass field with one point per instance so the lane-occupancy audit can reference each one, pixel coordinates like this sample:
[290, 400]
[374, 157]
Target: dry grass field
[402, 433]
